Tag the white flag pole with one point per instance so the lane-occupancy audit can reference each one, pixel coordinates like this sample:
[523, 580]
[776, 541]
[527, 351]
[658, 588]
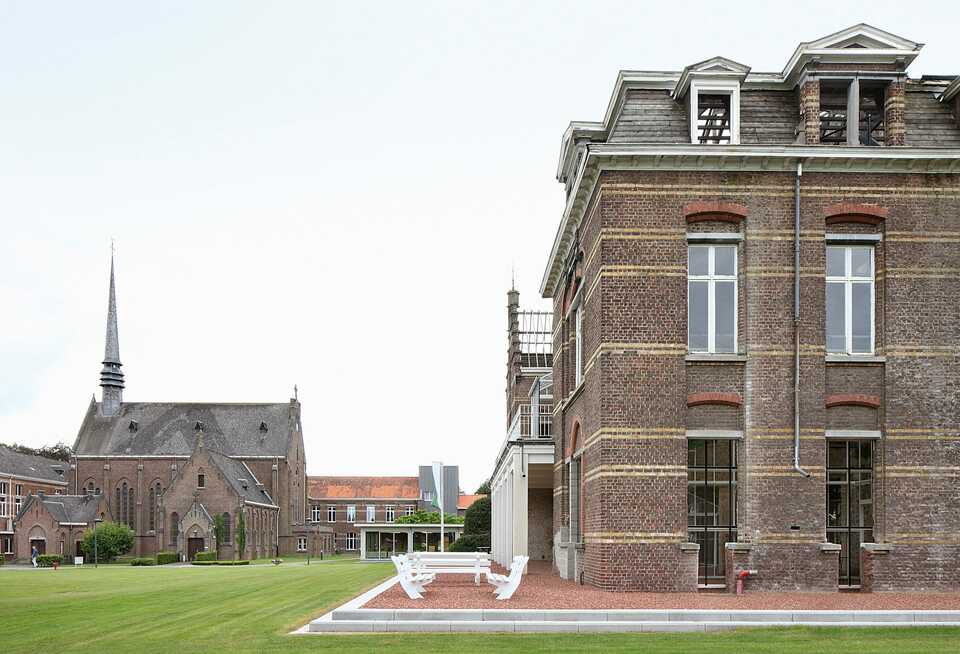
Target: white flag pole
[441, 507]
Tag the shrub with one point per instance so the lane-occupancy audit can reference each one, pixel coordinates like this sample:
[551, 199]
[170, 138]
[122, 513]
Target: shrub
[196, 562]
[206, 556]
[47, 560]
[113, 539]
[143, 561]
[477, 520]
[163, 558]
[470, 543]
[428, 518]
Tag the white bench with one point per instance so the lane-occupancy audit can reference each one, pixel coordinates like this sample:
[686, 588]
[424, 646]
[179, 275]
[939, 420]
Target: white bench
[411, 581]
[475, 563]
[506, 585]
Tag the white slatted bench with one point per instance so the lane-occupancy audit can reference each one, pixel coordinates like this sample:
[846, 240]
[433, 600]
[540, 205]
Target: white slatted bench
[411, 581]
[475, 563]
[506, 585]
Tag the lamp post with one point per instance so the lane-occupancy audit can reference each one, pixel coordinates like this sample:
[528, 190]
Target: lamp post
[96, 525]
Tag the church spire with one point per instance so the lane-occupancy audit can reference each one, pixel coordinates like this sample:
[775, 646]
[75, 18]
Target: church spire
[111, 377]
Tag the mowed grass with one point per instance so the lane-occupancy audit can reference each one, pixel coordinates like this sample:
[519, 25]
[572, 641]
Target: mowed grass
[253, 609]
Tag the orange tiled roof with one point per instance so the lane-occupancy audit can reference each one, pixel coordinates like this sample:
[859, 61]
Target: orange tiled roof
[393, 488]
[464, 501]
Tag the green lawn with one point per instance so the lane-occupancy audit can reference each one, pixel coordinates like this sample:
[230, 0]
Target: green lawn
[251, 609]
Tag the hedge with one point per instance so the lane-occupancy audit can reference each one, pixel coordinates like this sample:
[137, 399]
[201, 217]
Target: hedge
[206, 556]
[470, 543]
[143, 561]
[163, 558]
[199, 562]
[47, 560]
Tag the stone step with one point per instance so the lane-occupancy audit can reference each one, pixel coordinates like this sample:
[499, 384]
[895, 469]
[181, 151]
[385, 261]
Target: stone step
[642, 616]
[508, 626]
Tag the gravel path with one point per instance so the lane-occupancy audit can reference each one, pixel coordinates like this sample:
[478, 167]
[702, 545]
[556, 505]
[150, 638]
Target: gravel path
[542, 589]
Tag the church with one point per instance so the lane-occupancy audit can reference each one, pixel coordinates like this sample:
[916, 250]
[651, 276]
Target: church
[169, 469]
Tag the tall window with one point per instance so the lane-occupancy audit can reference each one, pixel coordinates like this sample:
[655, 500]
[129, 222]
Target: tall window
[850, 299]
[391, 513]
[576, 500]
[331, 513]
[226, 527]
[712, 298]
[578, 345]
[125, 505]
[152, 507]
[850, 503]
[352, 541]
[301, 543]
[371, 513]
[201, 480]
[4, 489]
[351, 513]
[315, 513]
[711, 503]
[174, 528]
[713, 118]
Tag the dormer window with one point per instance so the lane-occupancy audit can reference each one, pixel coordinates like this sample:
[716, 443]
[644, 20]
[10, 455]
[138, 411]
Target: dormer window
[852, 111]
[713, 118]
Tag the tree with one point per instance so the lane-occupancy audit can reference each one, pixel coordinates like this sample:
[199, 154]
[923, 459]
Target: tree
[241, 535]
[219, 531]
[484, 488]
[60, 451]
[113, 539]
[476, 528]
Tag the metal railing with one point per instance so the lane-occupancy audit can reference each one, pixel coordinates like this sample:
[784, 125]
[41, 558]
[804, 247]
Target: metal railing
[527, 425]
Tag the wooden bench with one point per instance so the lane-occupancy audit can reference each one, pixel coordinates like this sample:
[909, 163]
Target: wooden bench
[506, 585]
[475, 563]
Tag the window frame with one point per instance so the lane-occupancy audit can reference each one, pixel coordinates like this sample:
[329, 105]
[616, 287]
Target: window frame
[301, 543]
[351, 513]
[390, 513]
[849, 280]
[331, 513]
[714, 87]
[578, 340]
[371, 513]
[351, 538]
[709, 482]
[711, 279]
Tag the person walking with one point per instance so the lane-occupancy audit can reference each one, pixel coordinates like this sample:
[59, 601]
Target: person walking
[34, 553]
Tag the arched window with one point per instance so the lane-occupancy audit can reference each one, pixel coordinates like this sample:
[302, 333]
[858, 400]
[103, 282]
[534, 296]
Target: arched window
[174, 528]
[89, 487]
[152, 507]
[201, 480]
[125, 505]
[226, 527]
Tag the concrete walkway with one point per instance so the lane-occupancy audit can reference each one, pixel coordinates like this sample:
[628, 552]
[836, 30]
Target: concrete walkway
[351, 618]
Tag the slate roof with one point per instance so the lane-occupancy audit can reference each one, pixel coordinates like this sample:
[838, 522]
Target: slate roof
[233, 471]
[15, 464]
[393, 488]
[66, 508]
[170, 428]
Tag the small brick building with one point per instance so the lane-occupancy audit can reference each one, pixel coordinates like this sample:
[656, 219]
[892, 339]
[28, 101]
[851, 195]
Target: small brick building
[56, 524]
[22, 475]
[756, 333]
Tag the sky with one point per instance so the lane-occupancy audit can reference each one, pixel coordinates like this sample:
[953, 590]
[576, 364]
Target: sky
[332, 195]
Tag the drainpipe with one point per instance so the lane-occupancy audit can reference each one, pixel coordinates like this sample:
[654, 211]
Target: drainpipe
[796, 324]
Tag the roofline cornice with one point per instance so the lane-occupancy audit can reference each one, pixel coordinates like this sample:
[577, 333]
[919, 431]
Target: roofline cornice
[601, 156]
[39, 480]
[952, 90]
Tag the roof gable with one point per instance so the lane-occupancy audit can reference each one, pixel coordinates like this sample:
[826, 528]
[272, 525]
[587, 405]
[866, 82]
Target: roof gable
[713, 68]
[858, 44]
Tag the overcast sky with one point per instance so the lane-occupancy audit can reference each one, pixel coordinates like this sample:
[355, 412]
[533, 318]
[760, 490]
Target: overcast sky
[323, 194]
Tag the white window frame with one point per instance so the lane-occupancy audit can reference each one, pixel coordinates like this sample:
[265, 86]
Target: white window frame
[351, 513]
[408, 510]
[316, 513]
[4, 489]
[712, 278]
[331, 513]
[301, 543]
[351, 541]
[848, 280]
[371, 513]
[391, 513]
[7, 545]
[715, 87]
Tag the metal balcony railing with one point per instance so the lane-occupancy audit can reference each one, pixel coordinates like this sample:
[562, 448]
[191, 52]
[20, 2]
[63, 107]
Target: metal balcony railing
[527, 425]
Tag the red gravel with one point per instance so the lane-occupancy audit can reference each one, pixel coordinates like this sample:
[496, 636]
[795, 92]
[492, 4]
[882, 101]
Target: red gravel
[543, 589]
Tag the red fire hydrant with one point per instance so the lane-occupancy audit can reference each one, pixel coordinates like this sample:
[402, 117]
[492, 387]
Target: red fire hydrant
[741, 577]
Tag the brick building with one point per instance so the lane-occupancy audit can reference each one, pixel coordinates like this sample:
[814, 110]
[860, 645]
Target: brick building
[345, 503]
[168, 469]
[756, 288]
[56, 524]
[23, 475]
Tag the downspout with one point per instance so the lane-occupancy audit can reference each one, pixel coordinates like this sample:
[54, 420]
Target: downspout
[796, 324]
